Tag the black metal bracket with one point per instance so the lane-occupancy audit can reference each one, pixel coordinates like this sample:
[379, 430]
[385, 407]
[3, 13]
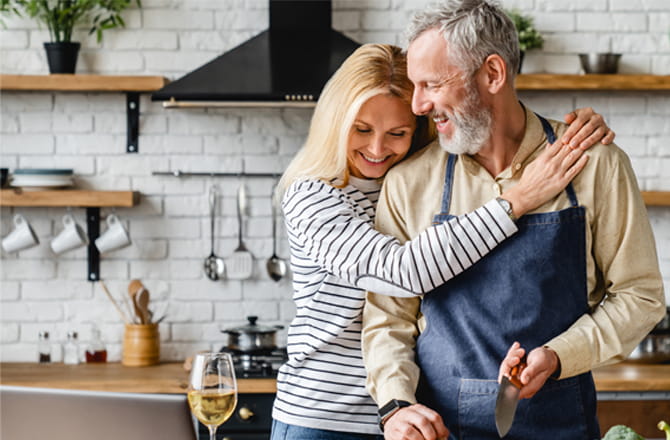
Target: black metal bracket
[133, 122]
[93, 229]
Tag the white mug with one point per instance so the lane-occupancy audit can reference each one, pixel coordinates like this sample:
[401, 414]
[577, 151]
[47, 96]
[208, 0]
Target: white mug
[71, 237]
[21, 237]
[115, 237]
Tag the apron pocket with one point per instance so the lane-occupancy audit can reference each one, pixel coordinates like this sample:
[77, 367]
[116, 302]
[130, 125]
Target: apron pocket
[476, 409]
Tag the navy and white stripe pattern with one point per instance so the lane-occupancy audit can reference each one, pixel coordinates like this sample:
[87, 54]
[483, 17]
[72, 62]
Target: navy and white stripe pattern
[336, 256]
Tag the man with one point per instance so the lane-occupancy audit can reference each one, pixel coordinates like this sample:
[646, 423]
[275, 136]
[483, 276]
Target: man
[578, 286]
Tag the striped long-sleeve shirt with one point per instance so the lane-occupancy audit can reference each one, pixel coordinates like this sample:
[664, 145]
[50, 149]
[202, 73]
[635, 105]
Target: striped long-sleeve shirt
[336, 255]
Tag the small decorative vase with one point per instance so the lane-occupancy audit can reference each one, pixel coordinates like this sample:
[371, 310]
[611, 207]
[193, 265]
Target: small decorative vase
[62, 57]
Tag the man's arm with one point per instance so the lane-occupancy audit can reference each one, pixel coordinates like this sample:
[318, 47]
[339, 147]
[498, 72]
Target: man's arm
[626, 262]
[390, 324]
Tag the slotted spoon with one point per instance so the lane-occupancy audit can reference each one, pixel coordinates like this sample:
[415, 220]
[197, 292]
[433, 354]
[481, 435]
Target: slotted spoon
[239, 265]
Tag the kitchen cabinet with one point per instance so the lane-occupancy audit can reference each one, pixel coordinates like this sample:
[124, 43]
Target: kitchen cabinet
[132, 86]
[91, 200]
[636, 395]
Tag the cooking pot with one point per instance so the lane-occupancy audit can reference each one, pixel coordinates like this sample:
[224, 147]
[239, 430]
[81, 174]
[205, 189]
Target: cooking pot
[252, 338]
[655, 347]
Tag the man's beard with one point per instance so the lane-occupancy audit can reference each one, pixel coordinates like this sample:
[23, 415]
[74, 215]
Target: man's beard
[472, 125]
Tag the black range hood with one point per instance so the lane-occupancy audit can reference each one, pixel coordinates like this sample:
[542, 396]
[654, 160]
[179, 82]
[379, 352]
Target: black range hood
[286, 65]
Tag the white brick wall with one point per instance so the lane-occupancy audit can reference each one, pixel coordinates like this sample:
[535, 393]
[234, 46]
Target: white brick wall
[170, 227]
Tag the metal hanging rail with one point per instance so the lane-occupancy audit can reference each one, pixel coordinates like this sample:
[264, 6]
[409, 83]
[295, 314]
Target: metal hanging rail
[178, 173]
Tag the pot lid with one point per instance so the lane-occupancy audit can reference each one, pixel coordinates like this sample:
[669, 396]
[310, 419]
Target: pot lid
[252, 327]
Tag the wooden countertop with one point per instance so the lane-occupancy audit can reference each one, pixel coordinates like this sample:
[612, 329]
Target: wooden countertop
[171, 377]
[167, 378]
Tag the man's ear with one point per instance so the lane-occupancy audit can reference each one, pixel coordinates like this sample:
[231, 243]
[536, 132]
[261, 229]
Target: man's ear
[493, 73]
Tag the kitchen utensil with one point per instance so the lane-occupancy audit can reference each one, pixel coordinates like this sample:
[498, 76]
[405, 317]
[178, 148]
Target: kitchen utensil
[142, 301]
[214, 266]
[508, 399]
[116, 305]
[133, 288]
[276, 266]
[252, 338]
[239, 264]
[600, 62]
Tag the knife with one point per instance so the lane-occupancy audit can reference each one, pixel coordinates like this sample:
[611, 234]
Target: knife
[508, 398]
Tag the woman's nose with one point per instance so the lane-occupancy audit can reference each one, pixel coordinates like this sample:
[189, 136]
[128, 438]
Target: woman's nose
[377, 145]
[420, 105]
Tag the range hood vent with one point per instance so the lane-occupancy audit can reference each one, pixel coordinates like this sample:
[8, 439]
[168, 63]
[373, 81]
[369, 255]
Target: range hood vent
[286, 65]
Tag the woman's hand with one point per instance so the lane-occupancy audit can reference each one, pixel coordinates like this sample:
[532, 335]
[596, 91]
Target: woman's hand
[545, 177]
[586, 129]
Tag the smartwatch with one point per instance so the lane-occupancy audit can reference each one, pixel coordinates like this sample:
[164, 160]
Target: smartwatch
[507, 207]
[389, 409]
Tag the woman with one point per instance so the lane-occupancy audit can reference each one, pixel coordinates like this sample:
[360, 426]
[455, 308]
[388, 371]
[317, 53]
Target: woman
[361, 127]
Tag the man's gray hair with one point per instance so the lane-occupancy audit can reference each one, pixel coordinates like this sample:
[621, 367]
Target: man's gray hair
[473, 29]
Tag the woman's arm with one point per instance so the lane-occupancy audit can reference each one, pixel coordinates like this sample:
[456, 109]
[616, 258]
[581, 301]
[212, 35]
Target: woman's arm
[325, 225]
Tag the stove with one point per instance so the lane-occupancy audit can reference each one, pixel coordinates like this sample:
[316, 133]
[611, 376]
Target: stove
[258, 364]
[252, 419]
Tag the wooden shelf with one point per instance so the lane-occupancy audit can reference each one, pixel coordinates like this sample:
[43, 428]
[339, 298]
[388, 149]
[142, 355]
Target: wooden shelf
[82, 83]
[69, 198]
[592, 82]
[656, 198]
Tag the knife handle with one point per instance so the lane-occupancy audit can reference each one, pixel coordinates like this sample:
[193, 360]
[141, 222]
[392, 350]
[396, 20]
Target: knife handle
[516, 372]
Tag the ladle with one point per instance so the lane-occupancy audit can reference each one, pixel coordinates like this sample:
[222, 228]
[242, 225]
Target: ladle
[214, 265]
[276, 266]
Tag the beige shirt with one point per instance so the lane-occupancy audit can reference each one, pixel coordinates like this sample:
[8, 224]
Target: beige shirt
[625, 289]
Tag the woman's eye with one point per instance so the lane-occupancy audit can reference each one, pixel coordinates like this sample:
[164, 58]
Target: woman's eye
[398, 133]
[363, 130]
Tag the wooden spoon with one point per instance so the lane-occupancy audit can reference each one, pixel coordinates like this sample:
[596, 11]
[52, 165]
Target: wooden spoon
[133, 288]
[142, 302]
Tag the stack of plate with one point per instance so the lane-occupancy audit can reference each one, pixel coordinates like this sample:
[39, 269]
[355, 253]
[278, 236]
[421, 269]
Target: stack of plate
[33, 178]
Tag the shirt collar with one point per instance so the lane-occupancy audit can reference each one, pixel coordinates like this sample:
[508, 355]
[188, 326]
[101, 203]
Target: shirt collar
[533, 138]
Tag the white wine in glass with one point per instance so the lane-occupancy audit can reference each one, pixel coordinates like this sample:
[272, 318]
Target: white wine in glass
[212, 390]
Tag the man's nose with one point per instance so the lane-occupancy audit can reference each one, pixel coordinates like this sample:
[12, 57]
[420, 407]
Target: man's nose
[420, 105]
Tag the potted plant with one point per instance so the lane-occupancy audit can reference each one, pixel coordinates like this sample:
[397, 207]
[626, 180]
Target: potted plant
[61, 17]
[529, 37]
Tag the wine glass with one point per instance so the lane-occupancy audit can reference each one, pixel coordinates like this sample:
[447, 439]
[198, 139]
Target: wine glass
[212, 389]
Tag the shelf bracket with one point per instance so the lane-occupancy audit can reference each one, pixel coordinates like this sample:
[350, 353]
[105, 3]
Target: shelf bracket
[93, 229]
[133, 122]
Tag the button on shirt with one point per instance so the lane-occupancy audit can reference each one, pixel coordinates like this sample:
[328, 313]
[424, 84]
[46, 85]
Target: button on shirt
[625, 289]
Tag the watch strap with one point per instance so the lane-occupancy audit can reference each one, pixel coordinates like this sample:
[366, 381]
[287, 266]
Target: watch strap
[390, 408]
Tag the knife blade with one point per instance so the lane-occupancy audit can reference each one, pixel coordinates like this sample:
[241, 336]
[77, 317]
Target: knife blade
[508, 399]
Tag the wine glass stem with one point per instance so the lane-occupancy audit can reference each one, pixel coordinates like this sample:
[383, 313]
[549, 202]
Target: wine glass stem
[212, 431]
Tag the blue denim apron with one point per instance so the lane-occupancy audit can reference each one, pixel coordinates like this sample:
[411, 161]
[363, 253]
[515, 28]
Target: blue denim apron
[529, 289]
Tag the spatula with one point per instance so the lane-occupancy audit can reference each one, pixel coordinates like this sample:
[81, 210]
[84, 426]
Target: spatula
[239, 265]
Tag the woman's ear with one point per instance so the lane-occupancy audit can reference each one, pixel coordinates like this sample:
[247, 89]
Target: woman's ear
[493, 73]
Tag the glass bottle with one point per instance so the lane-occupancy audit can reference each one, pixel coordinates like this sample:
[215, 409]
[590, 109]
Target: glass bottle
[71, 349]
[44, 348]
[96, 351]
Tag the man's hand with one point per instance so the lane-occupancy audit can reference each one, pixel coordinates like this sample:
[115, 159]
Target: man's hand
[586, 129]
[415, 422]
[541, 363]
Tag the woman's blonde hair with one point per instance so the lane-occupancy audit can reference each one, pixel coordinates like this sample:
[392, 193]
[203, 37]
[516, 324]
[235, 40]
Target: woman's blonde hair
[373, 69]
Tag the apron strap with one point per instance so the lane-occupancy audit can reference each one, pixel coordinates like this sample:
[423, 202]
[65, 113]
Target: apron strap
[448, 181]
[551, 137]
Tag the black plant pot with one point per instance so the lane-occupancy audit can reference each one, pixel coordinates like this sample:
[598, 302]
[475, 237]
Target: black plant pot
[521, 54]
[62, 57]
